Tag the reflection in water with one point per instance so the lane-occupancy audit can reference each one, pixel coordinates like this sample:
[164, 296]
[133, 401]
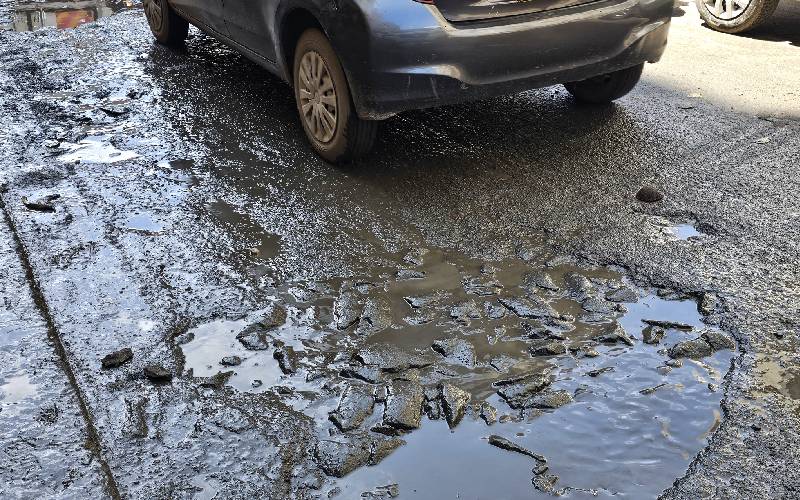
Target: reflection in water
[29, 16]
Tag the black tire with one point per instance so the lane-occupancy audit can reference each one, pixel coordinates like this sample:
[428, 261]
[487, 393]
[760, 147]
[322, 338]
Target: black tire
[753, 15]
[167, 26]
[606, 88]
[350, 137]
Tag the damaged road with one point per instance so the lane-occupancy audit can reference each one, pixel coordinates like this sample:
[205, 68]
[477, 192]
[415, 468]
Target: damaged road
[223, 315]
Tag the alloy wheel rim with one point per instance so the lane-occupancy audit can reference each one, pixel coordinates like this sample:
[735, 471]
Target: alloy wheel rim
[317, 95]
[727, 10]
[154, 13]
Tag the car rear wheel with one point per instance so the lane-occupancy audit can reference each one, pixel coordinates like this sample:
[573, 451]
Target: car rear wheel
[324, 102]
[606, 88]
[735, 16]
[167, 26]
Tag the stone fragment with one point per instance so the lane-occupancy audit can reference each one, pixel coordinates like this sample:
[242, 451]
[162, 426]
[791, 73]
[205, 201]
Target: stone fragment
[622, 294]
[653, 334]
[488, 413]
[409, 274]
[354, 407]
[403, 409]
[368, 373]
[345, 311]
[231, 361]
[257, 337]
[287, 359]
[337, 458]
[617, 335]
[669, 325]
[454, 403]
[117, 358]
[528, 307]
[505, 444]
[549, 349]
[538, 279]
[456, 351]
[157, 373]
[518, 390]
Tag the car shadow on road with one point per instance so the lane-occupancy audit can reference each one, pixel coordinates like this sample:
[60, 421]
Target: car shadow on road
[247, 117]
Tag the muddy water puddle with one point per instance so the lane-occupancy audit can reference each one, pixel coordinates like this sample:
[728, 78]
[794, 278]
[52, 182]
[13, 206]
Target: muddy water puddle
[616, 387]
[34, 15]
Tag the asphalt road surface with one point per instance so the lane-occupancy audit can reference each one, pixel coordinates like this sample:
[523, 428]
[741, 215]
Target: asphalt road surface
[480, 309]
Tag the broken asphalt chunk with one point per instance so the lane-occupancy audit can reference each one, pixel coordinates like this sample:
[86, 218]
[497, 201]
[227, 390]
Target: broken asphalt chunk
[117, 358]
[403, 409]
[456, 351]
[528, 307]
[354, 407]
[505, 444]
[454, 403]
[157, 373]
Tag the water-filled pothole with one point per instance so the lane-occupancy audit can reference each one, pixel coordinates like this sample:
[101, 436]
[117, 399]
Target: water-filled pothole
[575, 364]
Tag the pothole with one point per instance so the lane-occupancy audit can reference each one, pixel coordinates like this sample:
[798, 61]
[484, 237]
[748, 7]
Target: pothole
[615, 386]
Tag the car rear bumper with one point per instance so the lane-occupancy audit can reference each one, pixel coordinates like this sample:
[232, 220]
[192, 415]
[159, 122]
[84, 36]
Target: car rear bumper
[413, 58]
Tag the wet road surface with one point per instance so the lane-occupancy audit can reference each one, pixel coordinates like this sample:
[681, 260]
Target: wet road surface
[482, 294]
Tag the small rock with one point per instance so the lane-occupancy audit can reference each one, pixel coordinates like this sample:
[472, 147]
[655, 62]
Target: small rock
[286, 359]
[579, 286]
[257, 337]
[382, 448]
[415, 257]
[454, 403]
[718, 340]
[231, 361]
[550, 349]
[538, 279]
[549, 400]
[345, 311]
[482, 286]
[674, 363]
[409, 274]
[528, 307]
[649, 194]
[617, 335]
[488, 413]
[505, 444]
[215, 381]
[256, 384]
[117, 358]
[707, 304]
[653, 334]
[545, 483]
[465, 311]
[669, 325]
[114, 110]
[518, 390]
[368, 373]
[354, 407]
[623, 294]
[457, 351]
[41, 205]
[494, 311]
[403, 409]
[600, 371]
[651, 390]
[695, 349]
[376, 317]
[338, 459]
[382, 492]
[157, 373]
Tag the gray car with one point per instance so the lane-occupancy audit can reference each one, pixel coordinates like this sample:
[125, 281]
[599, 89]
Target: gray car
[353, 63]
